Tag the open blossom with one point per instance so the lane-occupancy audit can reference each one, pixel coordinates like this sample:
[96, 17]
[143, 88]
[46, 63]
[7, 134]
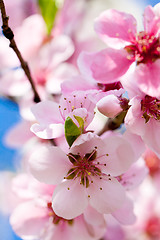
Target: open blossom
[118, 30]
[143, 119]
[51, 116]
[34, 218]
[85, 175]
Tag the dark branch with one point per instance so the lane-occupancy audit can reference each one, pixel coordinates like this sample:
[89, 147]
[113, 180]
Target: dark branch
[8, 33]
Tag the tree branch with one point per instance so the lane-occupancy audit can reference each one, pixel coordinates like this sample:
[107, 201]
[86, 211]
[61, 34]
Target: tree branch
[8, 33]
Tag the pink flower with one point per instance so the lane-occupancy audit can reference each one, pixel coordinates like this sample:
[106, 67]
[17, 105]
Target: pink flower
[51, 123]
[19, 134]
[134, 176]
[86, 175]
[143, 119]
[34, 218]
[35, 26]
[118, 30]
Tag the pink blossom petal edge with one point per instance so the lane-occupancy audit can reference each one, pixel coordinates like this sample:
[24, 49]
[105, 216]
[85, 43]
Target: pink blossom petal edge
[69, 199]
[49, 164]
[147, 78]
[125, 214]
[120, 155]
[105, 66]
[24, 217]
[47, 112]
[108, 197]
[48, 132]
[151, 20]
[18, 134]
[109, 106]
[116, 28]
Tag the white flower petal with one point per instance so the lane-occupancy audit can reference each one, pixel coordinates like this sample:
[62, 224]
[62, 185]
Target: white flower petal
[69, 199]
[106, 196]
[49, 164]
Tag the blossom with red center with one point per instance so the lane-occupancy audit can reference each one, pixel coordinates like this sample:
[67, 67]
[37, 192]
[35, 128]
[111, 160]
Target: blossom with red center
[33, 216]
[151, 108]
[85, 175]
[143, 118]
[118, 30]
[144, 49]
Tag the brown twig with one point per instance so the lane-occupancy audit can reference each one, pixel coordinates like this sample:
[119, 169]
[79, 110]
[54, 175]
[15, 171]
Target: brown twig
[8, 33]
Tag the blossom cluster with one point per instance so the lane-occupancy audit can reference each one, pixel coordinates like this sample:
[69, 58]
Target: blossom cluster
[94, 137]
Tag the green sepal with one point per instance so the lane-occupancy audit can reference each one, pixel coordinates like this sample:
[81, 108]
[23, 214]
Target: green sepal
[48, 10]
[72, 132]
[80, 122]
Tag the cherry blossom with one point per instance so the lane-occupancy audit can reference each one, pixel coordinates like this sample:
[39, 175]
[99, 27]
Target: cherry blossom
[143, 119]
[118, 30]
[51, 124]
[35, 205]
[85, 175]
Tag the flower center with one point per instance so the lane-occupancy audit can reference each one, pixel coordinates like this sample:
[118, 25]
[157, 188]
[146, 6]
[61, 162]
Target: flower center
[84, 167]
[56, 219]
[150, 107]
[145, 49]
[69, 104]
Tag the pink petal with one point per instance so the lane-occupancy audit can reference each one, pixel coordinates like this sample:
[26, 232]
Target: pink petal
[120, 155]
[86, 143]
[62, 73]
[29, 219]
[69, 199]
[32, 26]
[14, 83]
[57, 232]
[151, 135]
[109, 106]
[147, 78]
[78, 83]
[48, 132]
[136, 142]
[133, 120]
[106, 196]
[47, 112]
[49, 164]
[83, 230]
[135, 175]
[151, 21]
[19, 134]
[116, 28]
[105, 66]
[93, 217]
[57, 51]
[125, 214]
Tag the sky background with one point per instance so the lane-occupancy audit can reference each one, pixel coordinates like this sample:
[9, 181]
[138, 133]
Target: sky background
[9, 116]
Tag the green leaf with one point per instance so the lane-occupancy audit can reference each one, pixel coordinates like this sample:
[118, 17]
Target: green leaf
[80, 121]
[72, 132]
[48, 10]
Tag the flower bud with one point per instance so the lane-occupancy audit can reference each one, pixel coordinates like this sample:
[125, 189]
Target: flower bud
[109, 106]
